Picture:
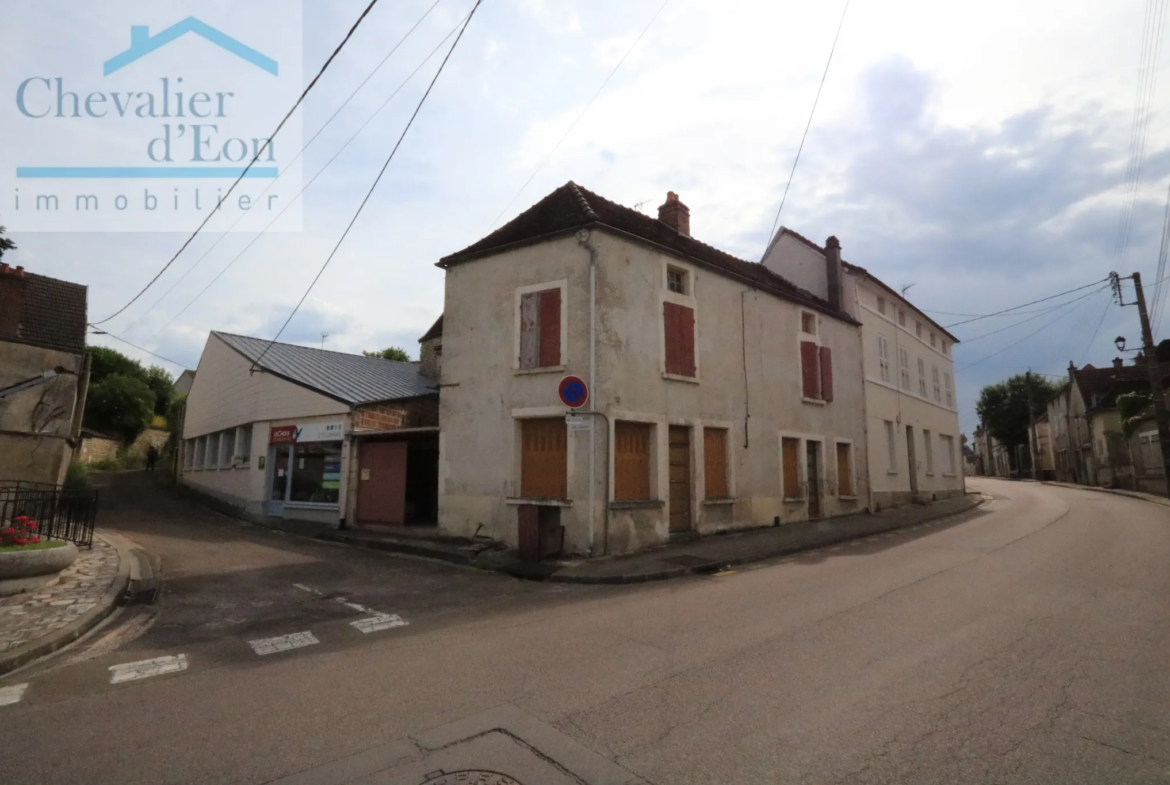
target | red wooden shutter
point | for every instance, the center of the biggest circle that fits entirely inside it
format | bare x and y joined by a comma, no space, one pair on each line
826,373
686,342
550,327
809,371
670,333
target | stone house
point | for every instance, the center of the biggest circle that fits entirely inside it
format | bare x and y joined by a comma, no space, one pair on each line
911,407
721,395
44,374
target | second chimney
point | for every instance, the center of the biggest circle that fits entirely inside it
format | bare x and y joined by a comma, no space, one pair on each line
675,214
1118,363
833,272
12,283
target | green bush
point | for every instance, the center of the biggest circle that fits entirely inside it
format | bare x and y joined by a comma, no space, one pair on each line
123,460
77,476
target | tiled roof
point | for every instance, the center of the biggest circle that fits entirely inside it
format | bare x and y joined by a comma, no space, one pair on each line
351,378
852,268
573,207
52,314
435,331
1105,384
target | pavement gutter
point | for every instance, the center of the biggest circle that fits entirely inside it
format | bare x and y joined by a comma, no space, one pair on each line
48,644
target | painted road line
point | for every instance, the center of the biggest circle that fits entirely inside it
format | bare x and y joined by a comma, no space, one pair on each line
144,669
13,694
295,640
309,589
383,621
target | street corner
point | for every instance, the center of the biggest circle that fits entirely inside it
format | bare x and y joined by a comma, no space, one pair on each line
501,746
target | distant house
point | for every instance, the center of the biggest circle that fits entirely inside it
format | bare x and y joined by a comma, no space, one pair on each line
184,382
43,374
301,433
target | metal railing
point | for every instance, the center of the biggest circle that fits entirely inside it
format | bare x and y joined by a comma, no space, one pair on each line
60,514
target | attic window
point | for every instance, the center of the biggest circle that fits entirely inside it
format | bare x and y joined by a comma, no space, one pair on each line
676,280
808,323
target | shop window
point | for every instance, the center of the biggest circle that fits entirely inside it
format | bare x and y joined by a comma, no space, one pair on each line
631,461
316,473
227,447
790,457
678,324
211,452
200,451
540,329
543,458
845,469
715,463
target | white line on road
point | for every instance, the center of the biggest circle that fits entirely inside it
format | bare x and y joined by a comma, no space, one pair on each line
13,694
281,643
383,621
309,589
131,671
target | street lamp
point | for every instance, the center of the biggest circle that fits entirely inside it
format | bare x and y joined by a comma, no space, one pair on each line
1120,342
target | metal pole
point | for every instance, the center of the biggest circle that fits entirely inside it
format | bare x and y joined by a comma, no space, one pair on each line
1156,395
1032,439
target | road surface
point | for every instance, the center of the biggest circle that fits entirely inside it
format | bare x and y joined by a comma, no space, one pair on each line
1025,642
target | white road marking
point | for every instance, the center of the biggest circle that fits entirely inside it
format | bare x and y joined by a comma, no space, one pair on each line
356,607
281,643
309,589
131,671
383,621
13,694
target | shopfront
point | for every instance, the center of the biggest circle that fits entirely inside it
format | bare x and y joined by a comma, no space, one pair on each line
305,469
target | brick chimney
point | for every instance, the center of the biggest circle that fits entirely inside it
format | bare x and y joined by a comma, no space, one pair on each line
675,214
1118,363
12,283
833,274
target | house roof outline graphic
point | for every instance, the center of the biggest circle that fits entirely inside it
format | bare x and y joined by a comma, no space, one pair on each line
143,43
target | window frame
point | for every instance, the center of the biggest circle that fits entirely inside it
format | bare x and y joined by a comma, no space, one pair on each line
683,280
884,359
620,479
688,300
928,448
937,388
520,422
904,367
800,489
891,446
947,441
520,292
922,377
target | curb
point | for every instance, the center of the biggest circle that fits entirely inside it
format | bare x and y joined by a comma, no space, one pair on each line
533,571
48,644
1114,491
397,546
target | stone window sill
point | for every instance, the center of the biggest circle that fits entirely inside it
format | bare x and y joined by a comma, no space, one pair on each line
729,500
849,497
814,401
637,504
517,500
542,369
674,377
794,500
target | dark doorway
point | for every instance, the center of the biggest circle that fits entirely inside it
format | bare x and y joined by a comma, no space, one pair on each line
813,466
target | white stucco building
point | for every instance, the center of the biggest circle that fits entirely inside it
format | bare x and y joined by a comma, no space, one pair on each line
723,396
912,418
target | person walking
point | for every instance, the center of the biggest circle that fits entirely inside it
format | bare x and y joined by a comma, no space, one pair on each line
151,457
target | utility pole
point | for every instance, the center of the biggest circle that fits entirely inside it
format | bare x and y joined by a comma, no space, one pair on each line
1156,394
1032,439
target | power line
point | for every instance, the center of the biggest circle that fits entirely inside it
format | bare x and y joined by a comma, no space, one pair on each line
306,186
1033,318
295,158
1042,327
370,193
1097,329
1025,305
256,157
573,125
808,125
98,331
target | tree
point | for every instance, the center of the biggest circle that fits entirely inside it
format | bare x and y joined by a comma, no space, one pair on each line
393,353
108,362
1003,407
160,381
5,243
1131,408
121,405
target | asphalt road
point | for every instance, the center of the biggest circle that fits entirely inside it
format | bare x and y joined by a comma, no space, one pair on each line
1026,642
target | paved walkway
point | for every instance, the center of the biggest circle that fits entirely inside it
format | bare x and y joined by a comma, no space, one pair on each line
1149,497
27,618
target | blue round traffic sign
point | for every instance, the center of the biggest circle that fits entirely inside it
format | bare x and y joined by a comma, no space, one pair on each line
573,391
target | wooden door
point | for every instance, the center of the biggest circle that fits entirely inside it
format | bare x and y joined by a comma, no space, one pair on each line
381,494
680,478
813,469
544,458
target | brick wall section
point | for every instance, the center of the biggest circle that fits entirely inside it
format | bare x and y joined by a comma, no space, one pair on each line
12,284
394,415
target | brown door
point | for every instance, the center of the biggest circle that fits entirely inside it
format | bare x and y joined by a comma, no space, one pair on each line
680,478
814,479
381,494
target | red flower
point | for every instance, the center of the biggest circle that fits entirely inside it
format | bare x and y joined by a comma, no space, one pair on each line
20,518
9,532
31,525
34,539
19,541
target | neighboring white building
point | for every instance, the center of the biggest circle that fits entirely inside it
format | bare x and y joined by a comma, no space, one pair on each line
295,432
723,396
911,407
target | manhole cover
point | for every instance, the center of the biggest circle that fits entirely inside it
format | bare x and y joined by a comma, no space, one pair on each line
471,777
687,561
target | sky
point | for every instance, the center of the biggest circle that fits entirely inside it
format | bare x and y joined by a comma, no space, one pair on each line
976,152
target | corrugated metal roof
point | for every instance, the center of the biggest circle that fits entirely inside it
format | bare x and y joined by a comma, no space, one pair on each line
348,377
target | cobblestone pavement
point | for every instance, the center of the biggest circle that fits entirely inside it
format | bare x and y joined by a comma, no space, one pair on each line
29,616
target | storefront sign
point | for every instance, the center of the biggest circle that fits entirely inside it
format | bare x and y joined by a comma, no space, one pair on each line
309,432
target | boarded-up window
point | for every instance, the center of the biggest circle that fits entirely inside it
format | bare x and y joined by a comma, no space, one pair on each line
631,461
844,469
678,322
540,329
543,458
715,463
790,452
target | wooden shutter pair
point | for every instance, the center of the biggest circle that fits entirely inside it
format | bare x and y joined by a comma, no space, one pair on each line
816,369
844,470
631,461
715,463
540,329
679,329
543,458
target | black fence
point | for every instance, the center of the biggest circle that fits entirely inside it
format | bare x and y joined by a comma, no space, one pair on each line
60,514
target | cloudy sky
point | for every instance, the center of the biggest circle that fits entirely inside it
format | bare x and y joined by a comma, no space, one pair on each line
977,151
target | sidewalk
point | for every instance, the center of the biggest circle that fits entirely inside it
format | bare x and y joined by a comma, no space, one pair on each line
1148,497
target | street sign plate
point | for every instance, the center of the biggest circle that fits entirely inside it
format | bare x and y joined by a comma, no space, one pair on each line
573,391
577,422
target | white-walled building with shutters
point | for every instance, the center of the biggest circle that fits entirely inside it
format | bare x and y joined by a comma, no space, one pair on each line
723,396
915,447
